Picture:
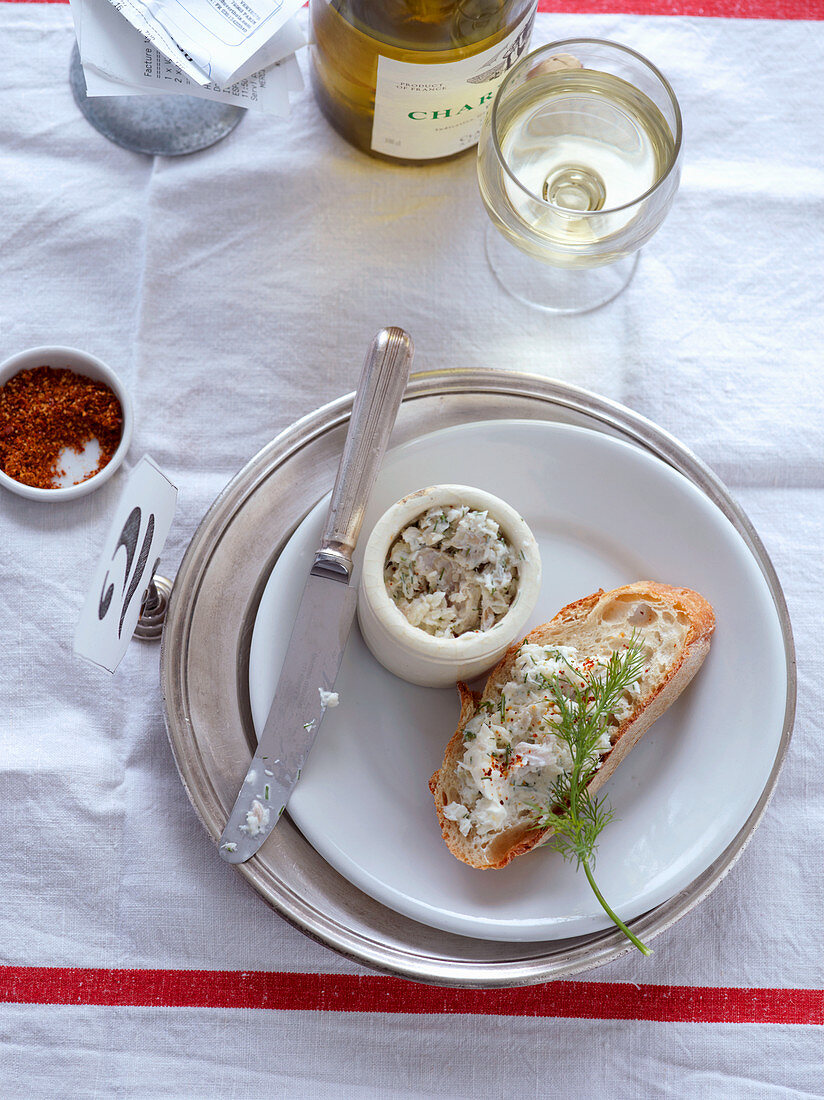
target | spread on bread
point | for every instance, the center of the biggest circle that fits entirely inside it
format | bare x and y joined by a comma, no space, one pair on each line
511,754
452,571
493,792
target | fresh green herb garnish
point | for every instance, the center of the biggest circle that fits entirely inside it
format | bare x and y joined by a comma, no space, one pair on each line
503,707
574,815
541,681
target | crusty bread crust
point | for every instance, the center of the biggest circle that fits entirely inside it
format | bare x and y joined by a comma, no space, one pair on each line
574,622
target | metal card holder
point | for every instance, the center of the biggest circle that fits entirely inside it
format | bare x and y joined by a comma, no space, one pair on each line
153,609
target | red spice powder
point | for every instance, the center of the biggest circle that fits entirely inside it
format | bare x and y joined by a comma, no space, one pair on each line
46,409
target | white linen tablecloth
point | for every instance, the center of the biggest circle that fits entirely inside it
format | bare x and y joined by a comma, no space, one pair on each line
236,290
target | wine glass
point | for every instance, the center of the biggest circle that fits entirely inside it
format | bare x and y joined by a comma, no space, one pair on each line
578,163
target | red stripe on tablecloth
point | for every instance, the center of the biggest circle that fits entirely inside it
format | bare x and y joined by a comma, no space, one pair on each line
349,993
721,9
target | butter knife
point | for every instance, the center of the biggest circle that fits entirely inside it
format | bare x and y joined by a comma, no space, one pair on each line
326,609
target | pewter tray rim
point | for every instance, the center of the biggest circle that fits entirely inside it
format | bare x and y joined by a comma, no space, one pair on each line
205,684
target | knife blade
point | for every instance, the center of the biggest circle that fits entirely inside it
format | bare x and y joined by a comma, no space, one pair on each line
326,609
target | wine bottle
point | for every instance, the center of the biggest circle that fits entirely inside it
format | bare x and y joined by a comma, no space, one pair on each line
411,80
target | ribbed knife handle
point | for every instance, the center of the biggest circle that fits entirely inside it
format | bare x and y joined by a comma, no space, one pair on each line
378,397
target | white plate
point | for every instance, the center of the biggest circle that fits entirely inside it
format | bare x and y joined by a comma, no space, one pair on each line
605,513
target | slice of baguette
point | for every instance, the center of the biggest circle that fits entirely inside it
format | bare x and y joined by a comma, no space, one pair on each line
674,627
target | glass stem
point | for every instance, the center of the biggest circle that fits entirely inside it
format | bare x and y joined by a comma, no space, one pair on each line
613,916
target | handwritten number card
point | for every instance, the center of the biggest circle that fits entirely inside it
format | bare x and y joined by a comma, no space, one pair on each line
130,557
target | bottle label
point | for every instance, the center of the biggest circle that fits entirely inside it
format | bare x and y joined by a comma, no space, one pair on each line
423,112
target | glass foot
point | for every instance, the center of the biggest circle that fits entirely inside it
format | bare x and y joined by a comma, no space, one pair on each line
164,125
555,289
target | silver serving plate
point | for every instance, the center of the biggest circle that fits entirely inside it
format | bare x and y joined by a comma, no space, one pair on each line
204,675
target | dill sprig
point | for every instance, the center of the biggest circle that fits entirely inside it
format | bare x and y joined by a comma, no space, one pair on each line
584,710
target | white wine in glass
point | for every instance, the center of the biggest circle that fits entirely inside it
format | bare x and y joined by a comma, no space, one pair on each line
578,164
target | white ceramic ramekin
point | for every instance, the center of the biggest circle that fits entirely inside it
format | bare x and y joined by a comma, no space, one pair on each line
81,363
410,652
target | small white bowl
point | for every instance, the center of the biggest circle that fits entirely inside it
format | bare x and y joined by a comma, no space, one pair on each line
410,652
81,363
